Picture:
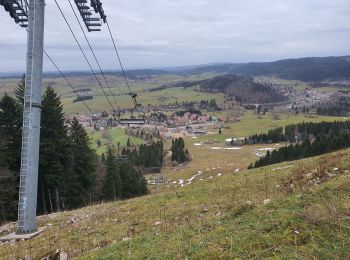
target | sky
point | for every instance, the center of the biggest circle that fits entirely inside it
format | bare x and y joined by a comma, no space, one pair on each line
166,33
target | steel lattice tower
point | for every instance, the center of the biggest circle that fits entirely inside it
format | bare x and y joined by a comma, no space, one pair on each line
31,119
31,16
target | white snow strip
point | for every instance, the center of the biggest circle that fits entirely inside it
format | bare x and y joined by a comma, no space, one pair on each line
281,168
225,148
266,149
259,154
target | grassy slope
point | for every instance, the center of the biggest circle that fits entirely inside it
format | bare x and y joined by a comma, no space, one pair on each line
211,219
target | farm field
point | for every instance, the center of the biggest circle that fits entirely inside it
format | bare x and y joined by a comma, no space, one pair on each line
100,103
119,90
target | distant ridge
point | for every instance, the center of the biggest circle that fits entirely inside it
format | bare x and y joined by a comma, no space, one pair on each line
310,69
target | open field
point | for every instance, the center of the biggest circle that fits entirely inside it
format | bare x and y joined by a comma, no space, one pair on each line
250,124
117,134
100,103
251,214
119,90
223,158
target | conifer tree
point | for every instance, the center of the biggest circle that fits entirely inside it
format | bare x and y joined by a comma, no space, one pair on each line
84,158
55,157
8,195
19,91
113,184
11,132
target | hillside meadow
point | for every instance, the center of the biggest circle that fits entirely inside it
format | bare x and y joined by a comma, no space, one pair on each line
278,211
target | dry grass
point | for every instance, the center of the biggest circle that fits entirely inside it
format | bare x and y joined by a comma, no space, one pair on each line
222,217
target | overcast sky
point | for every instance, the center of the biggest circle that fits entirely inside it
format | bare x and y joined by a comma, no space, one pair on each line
157,33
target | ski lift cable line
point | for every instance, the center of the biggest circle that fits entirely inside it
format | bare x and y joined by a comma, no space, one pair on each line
133,95
82,51
93,52
76,92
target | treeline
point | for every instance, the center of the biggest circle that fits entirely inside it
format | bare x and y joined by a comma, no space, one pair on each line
70,173
67,164
300,132
272,136
306,149
148,155
208,104
122,179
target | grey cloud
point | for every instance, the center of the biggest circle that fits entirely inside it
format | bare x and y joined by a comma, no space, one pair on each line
154,33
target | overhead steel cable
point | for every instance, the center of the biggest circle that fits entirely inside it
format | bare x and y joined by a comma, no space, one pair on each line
76,92
93,53
133,95
82,51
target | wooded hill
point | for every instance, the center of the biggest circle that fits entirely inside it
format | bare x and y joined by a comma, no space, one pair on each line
311,69
243,88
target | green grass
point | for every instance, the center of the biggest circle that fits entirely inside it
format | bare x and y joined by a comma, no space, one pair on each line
100,103
117,84
250,124
211,219
118,134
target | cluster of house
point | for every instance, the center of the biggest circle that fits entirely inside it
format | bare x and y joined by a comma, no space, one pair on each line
189,119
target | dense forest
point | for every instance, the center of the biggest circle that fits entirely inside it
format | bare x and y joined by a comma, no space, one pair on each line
300,132
306,149
312,139
243,88
337,107
70,173
148,155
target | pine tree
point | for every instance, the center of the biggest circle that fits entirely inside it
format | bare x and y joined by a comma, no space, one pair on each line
8,195
55,155
84,158
10,132
19,91
113,184
178,150
10,156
